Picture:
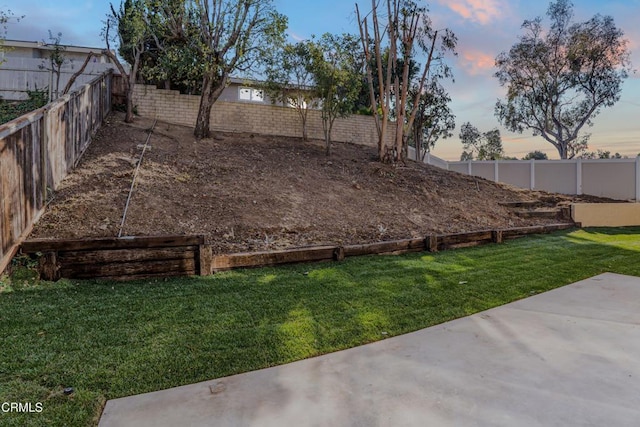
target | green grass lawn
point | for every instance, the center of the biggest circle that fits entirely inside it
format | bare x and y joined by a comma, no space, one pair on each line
109,340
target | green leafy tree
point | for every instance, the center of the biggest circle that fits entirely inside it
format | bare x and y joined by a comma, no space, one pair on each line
536,155
290,79
433,119
480,146
233,35
173,58
337,75
558,79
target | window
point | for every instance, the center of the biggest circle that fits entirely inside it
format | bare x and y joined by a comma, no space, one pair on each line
253,95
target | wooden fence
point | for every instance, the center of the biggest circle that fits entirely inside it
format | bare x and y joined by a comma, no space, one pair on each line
143,257
37,151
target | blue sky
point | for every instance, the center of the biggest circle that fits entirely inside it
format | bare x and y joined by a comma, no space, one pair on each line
484,29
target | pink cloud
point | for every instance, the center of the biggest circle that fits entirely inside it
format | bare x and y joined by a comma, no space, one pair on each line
476,62
481,11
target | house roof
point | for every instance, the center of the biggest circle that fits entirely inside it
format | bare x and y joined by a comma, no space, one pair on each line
47,46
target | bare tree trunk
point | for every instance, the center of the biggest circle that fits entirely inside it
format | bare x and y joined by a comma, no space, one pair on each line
75,75
212,87
204,111
364,36
128,80
303,112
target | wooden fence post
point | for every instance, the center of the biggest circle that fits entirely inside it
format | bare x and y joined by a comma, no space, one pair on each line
206,254
48,266
431,243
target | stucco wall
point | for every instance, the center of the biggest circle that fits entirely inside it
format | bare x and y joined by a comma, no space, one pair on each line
170,106
606,214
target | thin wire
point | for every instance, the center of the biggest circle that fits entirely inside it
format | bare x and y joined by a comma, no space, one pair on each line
133,181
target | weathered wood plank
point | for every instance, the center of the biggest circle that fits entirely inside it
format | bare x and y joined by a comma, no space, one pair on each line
259,259
447,241
127,255
396,246
512,233
177,267
522,204
102,243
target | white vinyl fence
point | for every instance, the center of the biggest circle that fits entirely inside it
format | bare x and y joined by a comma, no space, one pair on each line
613,178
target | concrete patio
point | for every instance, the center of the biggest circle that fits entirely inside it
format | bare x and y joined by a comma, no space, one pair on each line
568,357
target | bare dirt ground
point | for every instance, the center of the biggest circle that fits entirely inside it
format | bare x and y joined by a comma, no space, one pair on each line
252,192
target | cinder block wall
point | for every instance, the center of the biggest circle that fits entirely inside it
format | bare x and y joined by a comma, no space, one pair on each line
172,107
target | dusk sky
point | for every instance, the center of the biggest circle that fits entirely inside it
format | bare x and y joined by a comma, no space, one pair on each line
484,28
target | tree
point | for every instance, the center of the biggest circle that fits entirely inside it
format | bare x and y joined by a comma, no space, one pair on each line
433,119
172,57
78,73
233,36
336,73
482,146
290,79
536,155
409,32
5,17
130,22
559,79
600,154
57,59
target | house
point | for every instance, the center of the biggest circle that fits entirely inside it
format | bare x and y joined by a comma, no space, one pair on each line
25,65
250,91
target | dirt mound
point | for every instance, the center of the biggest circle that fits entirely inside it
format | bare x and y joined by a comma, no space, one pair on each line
253,192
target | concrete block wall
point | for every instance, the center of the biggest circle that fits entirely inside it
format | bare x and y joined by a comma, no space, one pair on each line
172,107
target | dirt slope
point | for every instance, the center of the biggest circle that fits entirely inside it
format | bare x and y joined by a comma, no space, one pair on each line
250,192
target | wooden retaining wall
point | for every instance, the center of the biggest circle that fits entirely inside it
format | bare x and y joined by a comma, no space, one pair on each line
144,257
117,258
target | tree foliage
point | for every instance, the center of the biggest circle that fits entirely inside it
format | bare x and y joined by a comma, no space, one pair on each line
336,73
232,36
5,17
173,57
558,79
433,119
290,79
600,154
536,155
480,146
57,58
132,35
